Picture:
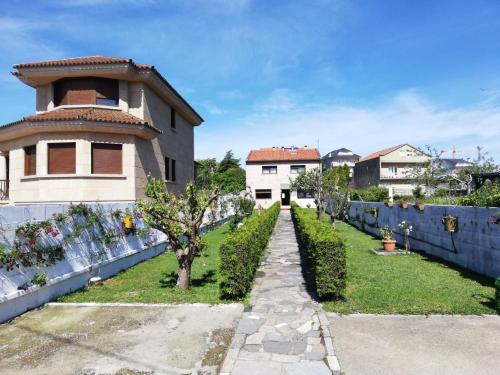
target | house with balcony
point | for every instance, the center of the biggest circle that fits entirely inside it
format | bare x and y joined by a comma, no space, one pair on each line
102,124
391,168
269,171
339,158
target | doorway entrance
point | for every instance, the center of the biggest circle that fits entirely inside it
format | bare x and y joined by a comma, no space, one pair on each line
285,197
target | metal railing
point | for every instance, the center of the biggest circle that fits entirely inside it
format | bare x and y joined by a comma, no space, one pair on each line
4,190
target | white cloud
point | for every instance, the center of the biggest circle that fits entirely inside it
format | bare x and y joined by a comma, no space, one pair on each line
213,109
407,117
22,39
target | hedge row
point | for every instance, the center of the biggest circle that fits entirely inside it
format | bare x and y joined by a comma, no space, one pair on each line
242,252
497,294
325,252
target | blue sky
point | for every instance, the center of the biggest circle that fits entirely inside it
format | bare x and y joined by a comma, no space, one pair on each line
359,74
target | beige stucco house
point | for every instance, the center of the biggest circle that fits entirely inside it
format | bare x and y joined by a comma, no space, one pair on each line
391,167
101,125
269,170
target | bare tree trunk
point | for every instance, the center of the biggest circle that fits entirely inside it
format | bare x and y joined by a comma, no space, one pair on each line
184,275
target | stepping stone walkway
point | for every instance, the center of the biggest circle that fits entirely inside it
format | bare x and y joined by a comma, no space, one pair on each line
286,331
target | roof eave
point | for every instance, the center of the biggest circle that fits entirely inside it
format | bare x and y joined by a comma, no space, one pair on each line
25,128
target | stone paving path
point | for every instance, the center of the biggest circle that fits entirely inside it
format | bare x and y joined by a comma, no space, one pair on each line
286,331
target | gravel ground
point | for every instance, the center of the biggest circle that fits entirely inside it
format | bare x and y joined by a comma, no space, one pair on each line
118,339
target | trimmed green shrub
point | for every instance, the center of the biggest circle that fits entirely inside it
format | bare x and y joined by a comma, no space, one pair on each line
487,195
325,253
243,250
497,294
371,194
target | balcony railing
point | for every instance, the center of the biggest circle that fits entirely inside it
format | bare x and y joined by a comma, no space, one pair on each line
4,190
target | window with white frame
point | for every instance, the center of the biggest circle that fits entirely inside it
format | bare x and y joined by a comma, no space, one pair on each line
301,194
296,169
269,169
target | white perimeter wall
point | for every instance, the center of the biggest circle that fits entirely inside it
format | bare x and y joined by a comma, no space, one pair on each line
475,245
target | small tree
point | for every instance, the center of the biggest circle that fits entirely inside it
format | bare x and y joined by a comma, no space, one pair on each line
481,164
180,218
335,182
324,187
311,181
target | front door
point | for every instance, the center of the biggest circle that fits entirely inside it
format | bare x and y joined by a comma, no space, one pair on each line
285,197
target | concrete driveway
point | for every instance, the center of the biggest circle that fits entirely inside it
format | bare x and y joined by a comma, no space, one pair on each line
396,344
118,339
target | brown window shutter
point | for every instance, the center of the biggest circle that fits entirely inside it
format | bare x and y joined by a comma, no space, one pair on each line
62,158
106,158
30,160
86,90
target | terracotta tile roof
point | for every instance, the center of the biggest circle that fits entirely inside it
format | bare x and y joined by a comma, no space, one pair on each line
383,152
84,60
284,154
85,114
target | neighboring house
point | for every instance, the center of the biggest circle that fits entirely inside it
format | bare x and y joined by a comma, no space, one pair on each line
391,168
101,125
450,167
340,157
269,170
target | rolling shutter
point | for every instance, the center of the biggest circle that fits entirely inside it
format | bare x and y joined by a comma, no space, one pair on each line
106,158
30,160
62,158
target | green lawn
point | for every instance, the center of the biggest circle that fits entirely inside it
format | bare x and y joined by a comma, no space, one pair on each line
153,281
408,284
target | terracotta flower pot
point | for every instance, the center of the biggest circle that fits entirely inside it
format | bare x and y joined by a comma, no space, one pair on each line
389,245
420,206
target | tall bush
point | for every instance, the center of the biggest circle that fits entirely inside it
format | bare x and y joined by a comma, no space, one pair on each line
371,194
242,252
325,252
497,294
486,196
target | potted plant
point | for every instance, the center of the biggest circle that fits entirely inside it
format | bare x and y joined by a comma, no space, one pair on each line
128,222
450,223
403,203
419,205
388,241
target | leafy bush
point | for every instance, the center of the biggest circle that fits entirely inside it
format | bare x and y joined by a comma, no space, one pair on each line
243,207
371,194
418,193
40,279
325,252
242,252
487,195
497,294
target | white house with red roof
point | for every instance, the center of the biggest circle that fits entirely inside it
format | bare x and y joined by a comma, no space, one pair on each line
269,170
391,168
101,125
